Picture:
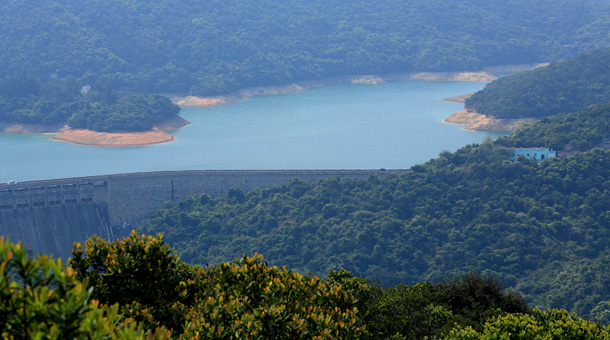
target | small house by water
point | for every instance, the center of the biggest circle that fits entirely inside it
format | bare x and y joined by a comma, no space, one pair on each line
538,154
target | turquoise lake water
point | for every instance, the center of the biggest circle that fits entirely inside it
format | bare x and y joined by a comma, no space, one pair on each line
392,126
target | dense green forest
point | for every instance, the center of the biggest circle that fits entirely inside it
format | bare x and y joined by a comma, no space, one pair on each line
137,288
213,46
426,253
539,227
560,87
579,131
25,99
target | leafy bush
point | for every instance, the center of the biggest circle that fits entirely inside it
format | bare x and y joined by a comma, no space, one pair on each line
40,299
549,324
250,300
242,299
139,273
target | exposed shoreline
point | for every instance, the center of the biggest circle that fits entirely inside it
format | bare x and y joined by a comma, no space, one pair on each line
458,99
241,95
475,121
159,134
486,74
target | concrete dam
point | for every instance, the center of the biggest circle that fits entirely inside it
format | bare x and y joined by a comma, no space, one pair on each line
49,215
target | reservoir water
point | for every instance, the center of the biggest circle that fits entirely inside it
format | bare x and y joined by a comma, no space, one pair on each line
393,126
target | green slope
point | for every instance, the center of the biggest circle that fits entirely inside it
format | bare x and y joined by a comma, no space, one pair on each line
470,210
219,46
570,132
25,99
560,87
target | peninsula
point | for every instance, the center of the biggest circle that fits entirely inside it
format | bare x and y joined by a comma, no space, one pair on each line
157,135
477,121
86,115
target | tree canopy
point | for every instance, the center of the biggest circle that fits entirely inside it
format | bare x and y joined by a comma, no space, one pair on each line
558,88
24,99
141,284
525,222
569,132
208,47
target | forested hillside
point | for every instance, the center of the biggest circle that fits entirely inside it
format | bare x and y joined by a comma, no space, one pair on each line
576,131
25,99
214,46
469,210
558,88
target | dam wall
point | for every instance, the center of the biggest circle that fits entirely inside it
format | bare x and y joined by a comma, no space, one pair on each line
53,229
50,215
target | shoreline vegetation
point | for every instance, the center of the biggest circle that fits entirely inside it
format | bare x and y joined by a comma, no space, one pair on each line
159,134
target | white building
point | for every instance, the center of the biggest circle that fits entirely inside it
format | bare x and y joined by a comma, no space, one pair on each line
538,154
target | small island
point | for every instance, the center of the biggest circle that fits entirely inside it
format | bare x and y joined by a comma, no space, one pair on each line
86,115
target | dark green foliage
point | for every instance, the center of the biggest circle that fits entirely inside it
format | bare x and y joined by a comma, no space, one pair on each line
220,46
578,131
131,112
25,100
425,309
20,87
40,299
141,274
410,312
475,298
469,210
560,87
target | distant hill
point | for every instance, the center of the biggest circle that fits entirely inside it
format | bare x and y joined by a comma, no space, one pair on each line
560,87
208,47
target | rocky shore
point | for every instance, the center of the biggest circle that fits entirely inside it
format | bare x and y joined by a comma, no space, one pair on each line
477,122
194,101
458,99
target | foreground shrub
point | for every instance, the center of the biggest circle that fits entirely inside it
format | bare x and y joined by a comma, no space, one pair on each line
549,324
244,299
40,299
